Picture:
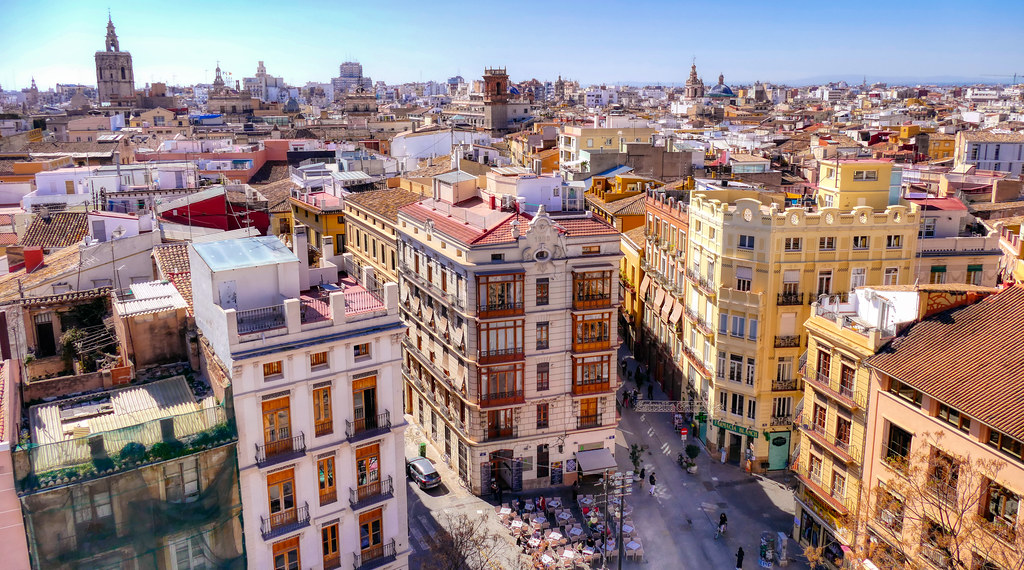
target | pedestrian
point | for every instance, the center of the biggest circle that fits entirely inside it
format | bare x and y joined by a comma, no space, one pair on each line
650,391
651,479
739,559
643,475
723,455
495,491
575,490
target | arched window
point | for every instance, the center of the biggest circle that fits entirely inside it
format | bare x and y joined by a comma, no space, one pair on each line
122,72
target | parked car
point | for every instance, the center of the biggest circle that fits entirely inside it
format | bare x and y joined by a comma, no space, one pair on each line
422,471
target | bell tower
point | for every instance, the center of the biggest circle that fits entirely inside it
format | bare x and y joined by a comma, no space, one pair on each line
495,85
115,77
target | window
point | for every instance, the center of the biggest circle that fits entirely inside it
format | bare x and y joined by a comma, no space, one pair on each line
838,485
591,289
858,277
273,370
723,323
751,409
746,242
286,554
500,292
953,417
1005,443
739,326
542,291
782,407
824,282
927,229
897,447
723,399
792,244
281,497
751,369
591,331
543,376
591,250
744,275
497,257
736,367
937,274
820,417
502,339
591,374
943,476
737,404
1001,507
277,426
189,553
543,460
325,480
827,243
893,241
323,420
501,382
752,330
543,330
371,535
843,427
368,469
181,481
904,392
974,274
318,360
329,542
892,275
861,242
542,416
865,175
721,364
361,350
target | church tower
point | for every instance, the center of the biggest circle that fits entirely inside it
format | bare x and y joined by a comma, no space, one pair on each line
694,84
115,78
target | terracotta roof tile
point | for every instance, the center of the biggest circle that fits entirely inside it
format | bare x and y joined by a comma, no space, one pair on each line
384,202
56,230
277,194
173,265
969,357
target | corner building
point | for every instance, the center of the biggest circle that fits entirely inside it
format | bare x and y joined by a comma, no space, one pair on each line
509,294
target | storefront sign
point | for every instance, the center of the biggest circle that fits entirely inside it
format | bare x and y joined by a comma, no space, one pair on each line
733,427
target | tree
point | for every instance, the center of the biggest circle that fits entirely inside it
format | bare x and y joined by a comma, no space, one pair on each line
933,508
465,542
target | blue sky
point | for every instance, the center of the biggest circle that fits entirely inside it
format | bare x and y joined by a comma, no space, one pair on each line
593,42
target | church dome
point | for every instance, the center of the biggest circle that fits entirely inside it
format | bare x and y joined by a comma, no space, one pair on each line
292,106
721,89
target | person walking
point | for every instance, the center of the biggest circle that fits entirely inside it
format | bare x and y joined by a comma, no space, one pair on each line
739,559
652,481
643,474
722,522
650,391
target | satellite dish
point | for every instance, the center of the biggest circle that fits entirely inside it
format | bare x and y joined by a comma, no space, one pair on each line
118,232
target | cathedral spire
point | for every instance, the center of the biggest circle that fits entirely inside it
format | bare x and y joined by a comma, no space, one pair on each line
112,44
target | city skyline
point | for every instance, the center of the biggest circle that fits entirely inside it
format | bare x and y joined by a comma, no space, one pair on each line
403,47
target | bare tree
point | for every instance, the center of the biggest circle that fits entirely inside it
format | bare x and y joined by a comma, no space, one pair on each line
936,509
464,542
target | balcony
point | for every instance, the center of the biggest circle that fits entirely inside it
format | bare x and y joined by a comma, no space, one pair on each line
787,341
328,496
785,384
591,344
375,556
786,299
501,398
261,319
500,355
776,421
841,448
323,427
366,495
849,396
500,309
275,452
495,433
591,301
284,522
588,421
332,561
368,426
590,386
812,483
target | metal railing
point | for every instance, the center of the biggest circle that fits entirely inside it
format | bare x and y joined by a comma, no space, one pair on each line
261,319
285,521
515,353
324,427
328,496
850,396
370,425
501,398
590,386
375,556
790,299
314,310
842,447
279,450
781,420
787,341
495,307
370,493
784,384
496,433
588,421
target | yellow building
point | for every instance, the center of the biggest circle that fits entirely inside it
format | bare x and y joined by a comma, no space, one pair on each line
631,274
753,268
619,200
575,140
864,182
160,121
324,214
370,218
941,146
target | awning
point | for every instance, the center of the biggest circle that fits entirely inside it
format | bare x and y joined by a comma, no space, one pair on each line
595,461
667,309
677,312
659,298
644,284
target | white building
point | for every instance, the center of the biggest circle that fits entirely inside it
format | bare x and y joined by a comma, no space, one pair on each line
410,147
990,150
510,362
316,386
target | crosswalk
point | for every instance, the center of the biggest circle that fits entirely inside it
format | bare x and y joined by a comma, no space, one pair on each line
421,529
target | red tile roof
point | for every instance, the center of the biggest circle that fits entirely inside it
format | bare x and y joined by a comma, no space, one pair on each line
462,231
969,357
56,230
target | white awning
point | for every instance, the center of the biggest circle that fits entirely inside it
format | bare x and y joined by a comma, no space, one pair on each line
595,461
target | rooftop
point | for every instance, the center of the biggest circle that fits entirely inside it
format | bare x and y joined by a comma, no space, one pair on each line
56,230
245,252
149,297
991,136
945,204
968,357
172,262
384,203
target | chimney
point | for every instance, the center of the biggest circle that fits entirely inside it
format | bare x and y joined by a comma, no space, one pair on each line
33,258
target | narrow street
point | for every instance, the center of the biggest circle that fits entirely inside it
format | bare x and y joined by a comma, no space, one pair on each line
677,524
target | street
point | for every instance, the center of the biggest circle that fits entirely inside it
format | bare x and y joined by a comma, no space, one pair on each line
677,524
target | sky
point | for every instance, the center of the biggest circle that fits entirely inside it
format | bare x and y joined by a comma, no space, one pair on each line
636,41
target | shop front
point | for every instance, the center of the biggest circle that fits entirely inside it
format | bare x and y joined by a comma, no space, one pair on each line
817,524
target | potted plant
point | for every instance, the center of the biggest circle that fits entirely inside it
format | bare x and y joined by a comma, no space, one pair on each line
692,451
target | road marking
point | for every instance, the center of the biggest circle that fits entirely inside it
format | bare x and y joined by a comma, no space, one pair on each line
418,535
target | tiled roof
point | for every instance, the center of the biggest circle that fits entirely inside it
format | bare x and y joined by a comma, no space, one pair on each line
968,357
60,262
502,233
277,194
56,230
988,136
636,236
462,231
384,203
432,167
8,238
271,171
633,206
577,227
172,263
